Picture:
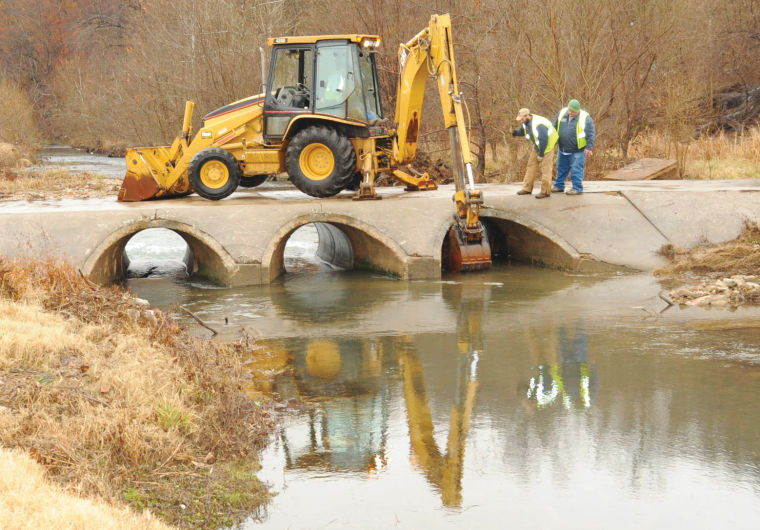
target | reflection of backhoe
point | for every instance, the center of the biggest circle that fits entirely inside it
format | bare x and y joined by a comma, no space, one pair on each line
442,470
321,121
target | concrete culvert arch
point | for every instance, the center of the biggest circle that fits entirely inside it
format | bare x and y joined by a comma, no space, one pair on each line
343,242
513,239
203,256
157,252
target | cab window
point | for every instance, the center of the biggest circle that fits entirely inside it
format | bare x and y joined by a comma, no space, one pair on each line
370,85
291,79
335,80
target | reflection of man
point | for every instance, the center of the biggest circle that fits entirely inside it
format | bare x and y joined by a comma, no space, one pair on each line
564,375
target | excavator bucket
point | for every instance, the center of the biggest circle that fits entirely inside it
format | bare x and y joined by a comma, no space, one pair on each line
146,169
152,171
137,188
467,254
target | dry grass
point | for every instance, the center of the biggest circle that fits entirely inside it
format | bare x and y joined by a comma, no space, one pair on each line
29,500
15,157
739,256
118,401
54,184
18,124
720,156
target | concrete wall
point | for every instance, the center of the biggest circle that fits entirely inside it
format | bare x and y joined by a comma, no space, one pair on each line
241,240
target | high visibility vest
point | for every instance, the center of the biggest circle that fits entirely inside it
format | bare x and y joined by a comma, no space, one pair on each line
580,130
553,134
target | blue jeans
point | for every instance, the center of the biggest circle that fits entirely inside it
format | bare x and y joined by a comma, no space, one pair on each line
575,163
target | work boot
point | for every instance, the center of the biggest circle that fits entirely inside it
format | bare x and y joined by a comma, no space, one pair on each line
542,195
573,192
555,189
523,192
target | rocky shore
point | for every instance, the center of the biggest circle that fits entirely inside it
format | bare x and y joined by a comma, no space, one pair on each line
732,291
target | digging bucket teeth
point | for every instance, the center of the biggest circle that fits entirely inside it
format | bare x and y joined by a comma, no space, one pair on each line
468,254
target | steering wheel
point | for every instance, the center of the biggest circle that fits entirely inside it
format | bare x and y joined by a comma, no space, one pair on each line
302,96
285,96
293,96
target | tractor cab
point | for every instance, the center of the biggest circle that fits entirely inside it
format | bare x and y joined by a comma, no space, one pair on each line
331,76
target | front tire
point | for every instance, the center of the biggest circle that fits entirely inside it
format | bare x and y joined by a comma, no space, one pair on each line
214,173
320,162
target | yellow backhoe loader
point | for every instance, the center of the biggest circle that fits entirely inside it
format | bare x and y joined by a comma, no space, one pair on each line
320,120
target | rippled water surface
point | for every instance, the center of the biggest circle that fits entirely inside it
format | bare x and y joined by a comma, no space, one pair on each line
519,397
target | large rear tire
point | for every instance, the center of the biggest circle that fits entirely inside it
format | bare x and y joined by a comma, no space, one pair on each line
214,173
320,162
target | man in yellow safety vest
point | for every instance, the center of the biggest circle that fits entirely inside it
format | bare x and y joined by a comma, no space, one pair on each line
543,137
576,140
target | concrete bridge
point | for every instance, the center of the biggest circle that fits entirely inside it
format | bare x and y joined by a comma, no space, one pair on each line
240,240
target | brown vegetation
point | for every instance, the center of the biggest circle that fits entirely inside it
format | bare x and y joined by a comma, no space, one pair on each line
117,73
720,274
16,185
738,256
118,401
18,123
29,500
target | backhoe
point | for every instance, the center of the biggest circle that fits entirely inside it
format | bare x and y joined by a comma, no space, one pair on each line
321,121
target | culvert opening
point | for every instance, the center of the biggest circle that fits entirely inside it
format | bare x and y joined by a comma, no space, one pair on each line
511,241
157,252
342,244
318,246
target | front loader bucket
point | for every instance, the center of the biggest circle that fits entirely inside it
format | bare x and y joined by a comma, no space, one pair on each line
467,256
148,172
137,188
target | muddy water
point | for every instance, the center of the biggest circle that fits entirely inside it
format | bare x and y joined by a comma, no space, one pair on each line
516,398
78,161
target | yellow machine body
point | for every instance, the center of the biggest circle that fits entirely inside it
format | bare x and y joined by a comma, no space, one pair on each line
320,120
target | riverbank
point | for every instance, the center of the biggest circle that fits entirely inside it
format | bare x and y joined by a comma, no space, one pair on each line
723,274
119,402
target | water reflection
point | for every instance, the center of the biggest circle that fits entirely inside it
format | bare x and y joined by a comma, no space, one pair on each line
564,373
414,413
469,402
346,425
442,468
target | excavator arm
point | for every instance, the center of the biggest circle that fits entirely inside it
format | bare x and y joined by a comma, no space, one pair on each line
430,53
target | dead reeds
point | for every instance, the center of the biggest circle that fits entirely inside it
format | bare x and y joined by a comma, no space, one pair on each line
716,157
118,401
738,256
20,184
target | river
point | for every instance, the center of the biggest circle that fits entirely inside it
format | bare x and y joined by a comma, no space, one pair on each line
512,398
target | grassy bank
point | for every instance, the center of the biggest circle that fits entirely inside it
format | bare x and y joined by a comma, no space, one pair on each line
718,156
722,274
118,402
16,185
738,256
29,500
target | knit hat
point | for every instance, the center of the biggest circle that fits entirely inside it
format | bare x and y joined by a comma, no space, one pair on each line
574,105
522,113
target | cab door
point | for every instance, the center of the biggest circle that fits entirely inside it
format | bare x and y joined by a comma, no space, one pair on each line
290,91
